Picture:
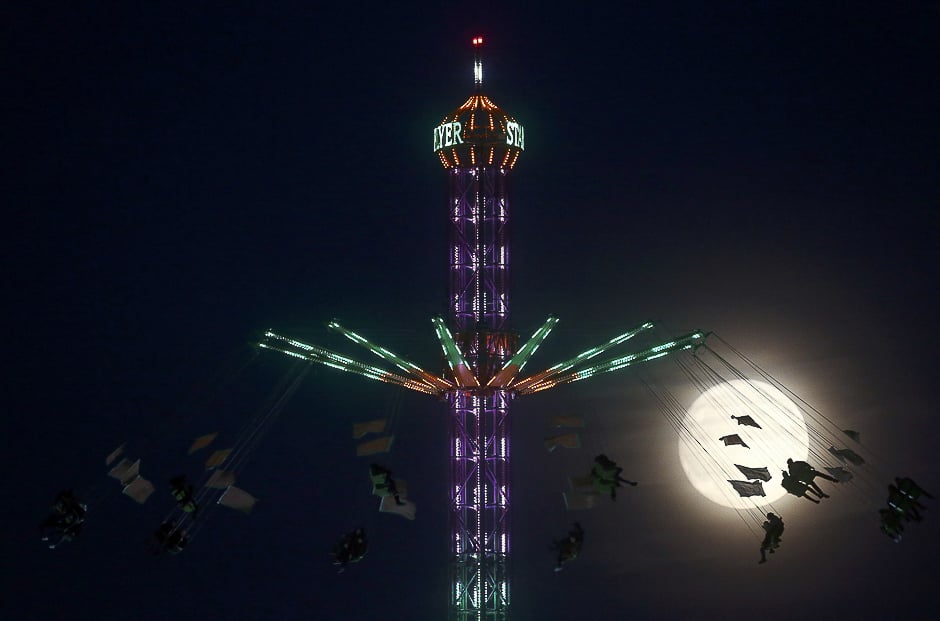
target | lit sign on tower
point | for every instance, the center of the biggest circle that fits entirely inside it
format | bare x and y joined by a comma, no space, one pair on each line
478,133
515,135
447,135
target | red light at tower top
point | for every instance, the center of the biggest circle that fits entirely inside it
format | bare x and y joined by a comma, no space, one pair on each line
477,63
478,133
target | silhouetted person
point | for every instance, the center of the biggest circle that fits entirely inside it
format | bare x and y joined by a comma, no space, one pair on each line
383,483
350,549
805,473
169,538
605,475
909,488
795,487
904,505
569,547
66,520
184,493
891,524
773,527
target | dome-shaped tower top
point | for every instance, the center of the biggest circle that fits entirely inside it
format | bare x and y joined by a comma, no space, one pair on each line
478,133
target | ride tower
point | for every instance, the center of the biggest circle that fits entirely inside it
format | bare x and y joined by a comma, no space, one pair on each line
478,145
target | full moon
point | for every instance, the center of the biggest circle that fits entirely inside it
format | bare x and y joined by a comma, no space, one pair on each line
709,463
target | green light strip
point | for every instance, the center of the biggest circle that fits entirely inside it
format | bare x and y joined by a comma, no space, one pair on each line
325,357
682,343
323,353
517,362
561,367
319,354
455,359
405,365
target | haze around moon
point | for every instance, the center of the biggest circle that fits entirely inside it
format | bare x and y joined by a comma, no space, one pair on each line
709,464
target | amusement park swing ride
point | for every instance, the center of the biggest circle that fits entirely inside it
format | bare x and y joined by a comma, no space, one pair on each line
478,145
743,422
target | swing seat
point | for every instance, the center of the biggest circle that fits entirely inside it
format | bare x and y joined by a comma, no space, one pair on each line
373,447
583,484
372,426
566,421
578,501
389,505
566,440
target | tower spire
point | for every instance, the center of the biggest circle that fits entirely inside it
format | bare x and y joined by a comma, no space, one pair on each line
477,64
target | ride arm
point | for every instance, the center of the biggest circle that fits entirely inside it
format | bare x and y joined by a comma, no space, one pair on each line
455,359
312,353
517,362
438,383
687,341
546,375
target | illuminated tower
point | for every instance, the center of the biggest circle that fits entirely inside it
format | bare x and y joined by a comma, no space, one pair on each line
478,144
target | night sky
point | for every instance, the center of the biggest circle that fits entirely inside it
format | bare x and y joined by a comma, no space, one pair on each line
179,177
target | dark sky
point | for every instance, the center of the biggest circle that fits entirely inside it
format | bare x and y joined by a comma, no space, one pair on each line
179,177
